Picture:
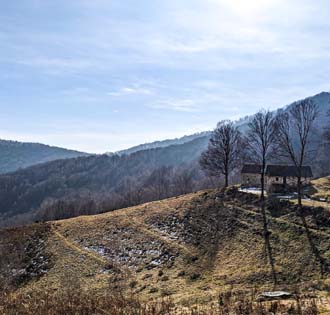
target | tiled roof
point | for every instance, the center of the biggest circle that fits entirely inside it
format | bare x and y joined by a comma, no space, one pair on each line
288,171
251,169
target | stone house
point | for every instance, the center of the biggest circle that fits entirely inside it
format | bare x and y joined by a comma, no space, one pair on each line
250,175
278,178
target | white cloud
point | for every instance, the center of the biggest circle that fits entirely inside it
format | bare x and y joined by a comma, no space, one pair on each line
131,90
180,105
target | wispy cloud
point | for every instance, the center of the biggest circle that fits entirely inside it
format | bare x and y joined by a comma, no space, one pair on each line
115,62
130,91
180,105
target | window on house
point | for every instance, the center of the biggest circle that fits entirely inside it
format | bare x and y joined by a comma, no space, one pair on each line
277,179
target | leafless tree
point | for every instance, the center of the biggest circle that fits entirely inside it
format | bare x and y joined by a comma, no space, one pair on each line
260,141
183,182
160,182
222,154
293,131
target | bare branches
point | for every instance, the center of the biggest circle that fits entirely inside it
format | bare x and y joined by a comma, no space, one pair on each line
293,130
261,134
223,151
260,140
284,139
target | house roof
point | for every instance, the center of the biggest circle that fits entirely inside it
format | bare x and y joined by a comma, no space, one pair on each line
277,170
251,169
288,171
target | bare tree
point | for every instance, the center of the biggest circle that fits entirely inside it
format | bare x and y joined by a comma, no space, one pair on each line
222,154
183,182
260,141
293,131
160,182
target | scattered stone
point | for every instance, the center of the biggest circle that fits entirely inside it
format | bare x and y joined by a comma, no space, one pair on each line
165,278
182,273
195,276
147,276
153,290
275,295
133,284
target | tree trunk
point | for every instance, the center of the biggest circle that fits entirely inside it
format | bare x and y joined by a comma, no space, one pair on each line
263,182
299,194
226,167
226,180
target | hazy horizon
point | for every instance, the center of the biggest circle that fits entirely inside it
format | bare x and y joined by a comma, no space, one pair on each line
100,76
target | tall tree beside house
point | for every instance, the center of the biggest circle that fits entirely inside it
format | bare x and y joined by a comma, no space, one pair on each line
222,155
260,141
298,125
293,131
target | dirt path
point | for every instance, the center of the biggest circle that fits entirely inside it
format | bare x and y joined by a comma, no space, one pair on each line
98,258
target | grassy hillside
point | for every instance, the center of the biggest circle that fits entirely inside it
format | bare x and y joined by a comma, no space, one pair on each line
190,248
322,188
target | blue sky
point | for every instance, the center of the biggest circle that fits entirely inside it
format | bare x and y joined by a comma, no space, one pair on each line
103,75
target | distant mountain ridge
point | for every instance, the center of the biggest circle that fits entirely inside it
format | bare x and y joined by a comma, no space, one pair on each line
15,155
163,143
322,100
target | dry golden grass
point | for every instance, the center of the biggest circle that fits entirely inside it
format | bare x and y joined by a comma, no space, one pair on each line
322,187
73,300
189,248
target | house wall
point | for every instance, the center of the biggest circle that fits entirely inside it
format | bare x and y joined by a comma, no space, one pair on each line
251,180
290,181
274,180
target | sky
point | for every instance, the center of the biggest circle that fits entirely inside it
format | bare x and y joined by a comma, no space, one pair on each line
104,75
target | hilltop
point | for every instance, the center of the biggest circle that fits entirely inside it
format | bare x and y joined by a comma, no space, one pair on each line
15,155
189,247
164,143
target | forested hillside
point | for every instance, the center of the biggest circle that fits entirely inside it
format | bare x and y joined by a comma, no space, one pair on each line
15,155
165,143
85,185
